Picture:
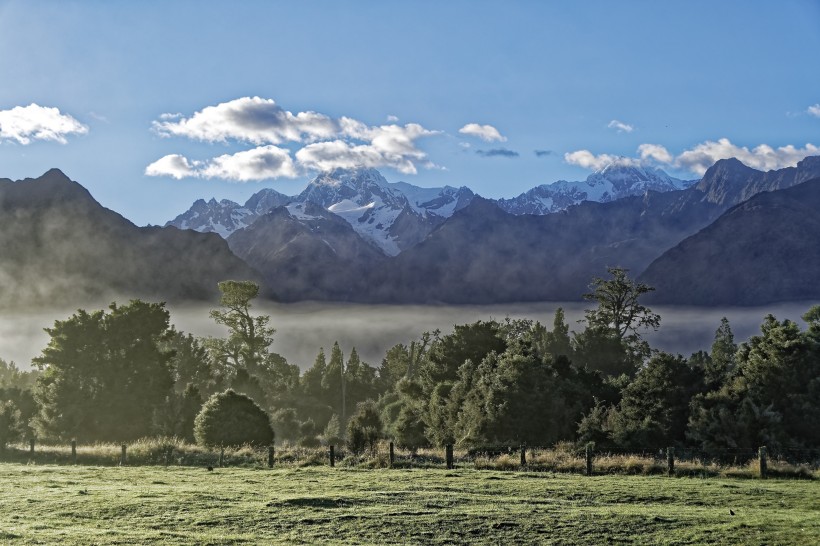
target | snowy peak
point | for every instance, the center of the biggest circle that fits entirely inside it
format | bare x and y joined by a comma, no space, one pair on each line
225,216
608,184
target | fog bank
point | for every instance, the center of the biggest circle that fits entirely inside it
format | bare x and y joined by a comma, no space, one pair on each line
301,328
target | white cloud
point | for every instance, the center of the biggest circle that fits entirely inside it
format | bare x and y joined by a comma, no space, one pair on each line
487,133
249,119
330,143
762,157
655,152
35,122
392,119
262,163
588,160
700,157
814,110
173,165
620,126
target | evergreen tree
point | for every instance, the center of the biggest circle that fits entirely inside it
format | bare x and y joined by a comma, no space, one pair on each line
104,374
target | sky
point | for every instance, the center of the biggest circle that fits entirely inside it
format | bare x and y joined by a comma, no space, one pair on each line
152,105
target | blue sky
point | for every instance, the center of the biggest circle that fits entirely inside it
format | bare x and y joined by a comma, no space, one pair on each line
138,88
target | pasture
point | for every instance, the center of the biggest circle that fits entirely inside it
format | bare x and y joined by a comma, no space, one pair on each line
48,504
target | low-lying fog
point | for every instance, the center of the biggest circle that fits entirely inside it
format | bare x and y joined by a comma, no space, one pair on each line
304,327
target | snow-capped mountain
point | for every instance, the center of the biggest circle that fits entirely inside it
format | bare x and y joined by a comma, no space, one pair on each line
390,216
610,183
225,216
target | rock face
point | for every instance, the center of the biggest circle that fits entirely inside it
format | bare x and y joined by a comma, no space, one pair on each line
59,246
225,216
764,250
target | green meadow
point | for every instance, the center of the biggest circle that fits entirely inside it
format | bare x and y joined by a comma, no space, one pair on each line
45,504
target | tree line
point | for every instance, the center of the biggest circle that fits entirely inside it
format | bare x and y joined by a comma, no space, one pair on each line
125,373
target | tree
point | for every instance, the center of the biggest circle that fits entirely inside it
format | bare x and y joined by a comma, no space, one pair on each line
365,428
191,364
10,425
721,360
332,434
13,377
249,336
286,425
618,307
232,419
612,341
105,374
333,383
654,408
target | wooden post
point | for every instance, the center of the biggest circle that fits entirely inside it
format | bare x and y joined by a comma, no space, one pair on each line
589,460
122,455
392,455
524,455
764,467
73,451
448,453
332,456
270,456
31,447
221,456
670,461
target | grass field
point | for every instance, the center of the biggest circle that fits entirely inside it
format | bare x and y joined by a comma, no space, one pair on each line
43,504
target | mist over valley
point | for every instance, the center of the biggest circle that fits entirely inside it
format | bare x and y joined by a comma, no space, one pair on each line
302,328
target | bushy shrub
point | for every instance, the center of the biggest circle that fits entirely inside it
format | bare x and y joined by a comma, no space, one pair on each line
232,419
364,428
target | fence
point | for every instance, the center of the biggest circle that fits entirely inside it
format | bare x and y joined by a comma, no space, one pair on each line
762,462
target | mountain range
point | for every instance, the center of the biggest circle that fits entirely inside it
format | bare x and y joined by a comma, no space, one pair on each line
60,246
353,236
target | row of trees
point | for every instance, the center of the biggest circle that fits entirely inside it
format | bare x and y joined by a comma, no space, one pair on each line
126,373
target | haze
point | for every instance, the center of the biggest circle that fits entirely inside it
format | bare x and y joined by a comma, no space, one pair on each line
304,327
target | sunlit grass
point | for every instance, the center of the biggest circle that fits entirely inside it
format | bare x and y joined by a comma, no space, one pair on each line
50,504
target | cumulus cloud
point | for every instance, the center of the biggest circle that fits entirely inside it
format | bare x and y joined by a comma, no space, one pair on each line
392,119
588,160
173,165
262,163
249,119
259,163
497,152
34,122
620,126
487,133
762,157
655,152
325,143
542,153
814,110
700,157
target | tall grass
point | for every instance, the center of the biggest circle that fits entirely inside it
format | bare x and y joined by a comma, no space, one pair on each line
563,458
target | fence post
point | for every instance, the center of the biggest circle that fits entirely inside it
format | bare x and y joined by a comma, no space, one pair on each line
763,463
31,446
270,456
448,454
122,456
221,456
392,455
332,456
73,451
524,455
589,460
670,460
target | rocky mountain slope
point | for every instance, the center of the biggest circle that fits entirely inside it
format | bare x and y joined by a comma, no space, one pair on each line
761,251
59,246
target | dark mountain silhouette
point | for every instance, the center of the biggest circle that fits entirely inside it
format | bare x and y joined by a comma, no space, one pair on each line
761,251
59,246
314,254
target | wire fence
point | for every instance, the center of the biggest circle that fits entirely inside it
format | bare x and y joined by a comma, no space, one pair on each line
762,461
